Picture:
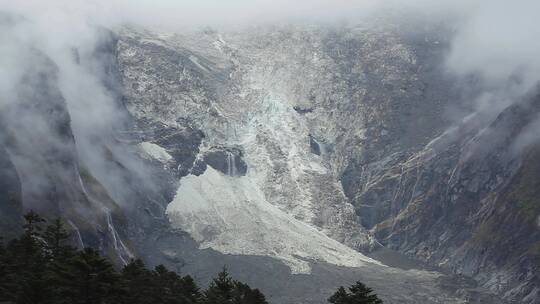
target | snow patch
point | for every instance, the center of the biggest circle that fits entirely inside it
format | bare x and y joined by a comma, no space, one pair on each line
232,216
156,152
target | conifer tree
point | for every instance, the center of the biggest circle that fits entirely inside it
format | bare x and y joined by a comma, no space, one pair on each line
243,294
56,241
41,267
3,269
340,297
190,290
27,264
358,294
173,289
33,222
220,290
223,289
139,284
87,278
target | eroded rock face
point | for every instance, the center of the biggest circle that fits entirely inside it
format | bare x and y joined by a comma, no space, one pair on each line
465,203
289,154
228,162
237,102
40,166
283,157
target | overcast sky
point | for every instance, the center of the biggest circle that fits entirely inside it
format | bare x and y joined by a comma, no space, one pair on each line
497,39
182,13
494,39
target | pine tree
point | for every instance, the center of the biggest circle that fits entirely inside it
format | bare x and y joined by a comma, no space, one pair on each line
26,264
33,222
358,294
174,289
4,284
223,289
139,284
59,256
190,289
56,241
340,297
220,290
87,278
243,294
41,267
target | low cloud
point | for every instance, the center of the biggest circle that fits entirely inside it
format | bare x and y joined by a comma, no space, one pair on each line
182,14
496,41
499,43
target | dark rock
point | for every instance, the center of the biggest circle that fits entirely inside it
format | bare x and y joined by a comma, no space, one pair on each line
198,168
314,145
181,142
301,110
229,162
461,200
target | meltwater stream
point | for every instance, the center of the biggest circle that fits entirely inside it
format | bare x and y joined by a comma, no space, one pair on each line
121,249
79,237
231,164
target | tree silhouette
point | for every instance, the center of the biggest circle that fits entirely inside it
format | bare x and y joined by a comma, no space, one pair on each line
40,267
56,241
358,294
86,278
223,289
26,264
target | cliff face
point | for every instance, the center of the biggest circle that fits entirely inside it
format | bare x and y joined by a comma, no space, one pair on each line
291,109
41,168
290,154
343,130
269,131
466,203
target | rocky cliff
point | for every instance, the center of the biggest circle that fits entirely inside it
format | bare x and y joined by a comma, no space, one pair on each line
303,157
313,121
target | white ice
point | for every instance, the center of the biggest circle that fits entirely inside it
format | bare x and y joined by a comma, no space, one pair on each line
231,215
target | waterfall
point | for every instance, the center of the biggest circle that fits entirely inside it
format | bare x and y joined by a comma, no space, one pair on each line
79,237
231,164
81,183
83,187
124,254
119,246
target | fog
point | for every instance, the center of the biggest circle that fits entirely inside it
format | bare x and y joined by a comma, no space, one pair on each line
496,41
179,14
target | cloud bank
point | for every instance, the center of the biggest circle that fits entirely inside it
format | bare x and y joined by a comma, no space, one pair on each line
495,41
179,14
499,42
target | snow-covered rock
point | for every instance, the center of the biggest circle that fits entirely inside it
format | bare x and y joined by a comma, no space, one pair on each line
231,214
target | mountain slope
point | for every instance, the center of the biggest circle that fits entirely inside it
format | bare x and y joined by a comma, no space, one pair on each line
275,145
291,154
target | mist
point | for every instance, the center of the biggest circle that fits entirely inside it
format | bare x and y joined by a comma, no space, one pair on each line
179,15
497,42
